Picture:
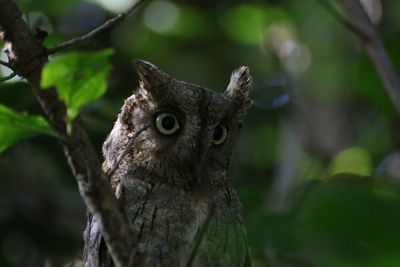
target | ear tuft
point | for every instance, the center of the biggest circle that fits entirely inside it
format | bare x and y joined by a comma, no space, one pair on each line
239,87
149,75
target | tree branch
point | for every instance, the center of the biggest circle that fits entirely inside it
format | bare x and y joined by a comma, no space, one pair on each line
327,4
27,57
89,36
360,24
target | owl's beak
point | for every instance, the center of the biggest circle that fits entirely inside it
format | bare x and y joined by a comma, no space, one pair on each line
199,156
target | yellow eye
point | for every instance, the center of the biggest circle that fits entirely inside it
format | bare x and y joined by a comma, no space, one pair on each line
220,134
167,123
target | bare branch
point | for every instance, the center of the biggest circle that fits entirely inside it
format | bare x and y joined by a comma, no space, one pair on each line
360,19
360,24
8,77
89,36
27,56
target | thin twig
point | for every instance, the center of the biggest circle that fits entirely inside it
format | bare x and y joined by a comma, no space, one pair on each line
201,235
126,150
327,4
8,77
359,23
87,37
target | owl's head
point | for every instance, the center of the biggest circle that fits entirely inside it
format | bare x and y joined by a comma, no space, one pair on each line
189,130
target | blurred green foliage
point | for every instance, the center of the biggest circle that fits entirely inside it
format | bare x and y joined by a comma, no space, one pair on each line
316,165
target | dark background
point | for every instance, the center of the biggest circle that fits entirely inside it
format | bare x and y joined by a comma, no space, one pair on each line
316,165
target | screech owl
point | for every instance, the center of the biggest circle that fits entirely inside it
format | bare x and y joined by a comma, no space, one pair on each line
173,182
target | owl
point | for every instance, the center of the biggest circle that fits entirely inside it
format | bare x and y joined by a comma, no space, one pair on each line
169,153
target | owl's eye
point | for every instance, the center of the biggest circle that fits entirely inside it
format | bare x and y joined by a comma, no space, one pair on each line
220,134
167,123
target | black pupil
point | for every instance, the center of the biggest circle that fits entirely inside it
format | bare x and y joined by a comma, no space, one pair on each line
218,132
168,122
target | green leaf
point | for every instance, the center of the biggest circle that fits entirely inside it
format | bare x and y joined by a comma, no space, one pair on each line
15,126
79,77
354,160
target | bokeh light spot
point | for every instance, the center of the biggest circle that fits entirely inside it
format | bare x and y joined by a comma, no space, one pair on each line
116,6
161,16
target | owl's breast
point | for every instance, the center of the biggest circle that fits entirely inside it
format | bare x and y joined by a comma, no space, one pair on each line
161,218
168,220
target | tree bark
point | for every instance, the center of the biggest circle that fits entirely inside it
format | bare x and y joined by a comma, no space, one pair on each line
27,57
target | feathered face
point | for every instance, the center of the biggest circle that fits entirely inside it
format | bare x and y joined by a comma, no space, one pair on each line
189,130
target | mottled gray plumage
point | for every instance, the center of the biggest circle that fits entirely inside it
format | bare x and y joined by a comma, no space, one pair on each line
176,171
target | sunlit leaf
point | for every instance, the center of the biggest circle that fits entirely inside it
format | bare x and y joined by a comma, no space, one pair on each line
15,126
79,77
354,160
